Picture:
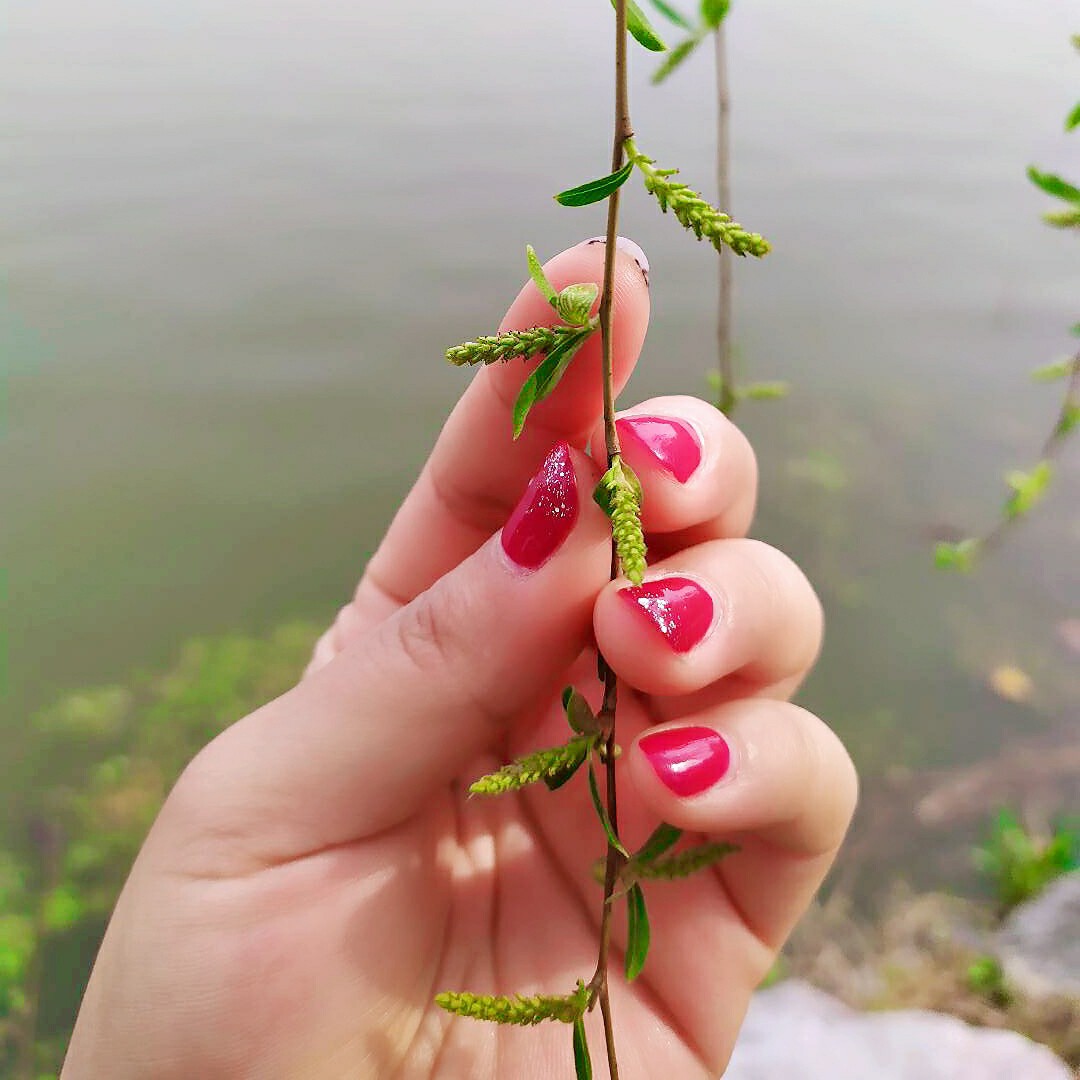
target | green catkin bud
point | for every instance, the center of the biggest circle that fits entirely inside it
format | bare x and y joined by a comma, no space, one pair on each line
540,765
683,863
619,495
628,534
496,347
705,221
575,302
517,1009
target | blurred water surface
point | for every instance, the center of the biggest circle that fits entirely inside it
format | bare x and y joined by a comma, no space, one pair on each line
238,236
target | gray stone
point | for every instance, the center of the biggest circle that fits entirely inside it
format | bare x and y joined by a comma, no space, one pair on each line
796,1032
1039,943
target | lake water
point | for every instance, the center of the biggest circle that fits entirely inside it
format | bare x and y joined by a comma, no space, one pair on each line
238,236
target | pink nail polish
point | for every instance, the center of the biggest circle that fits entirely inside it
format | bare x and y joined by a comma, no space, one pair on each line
677,607
687,760
670,442
544,517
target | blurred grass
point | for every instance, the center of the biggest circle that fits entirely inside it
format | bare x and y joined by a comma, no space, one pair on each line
76,806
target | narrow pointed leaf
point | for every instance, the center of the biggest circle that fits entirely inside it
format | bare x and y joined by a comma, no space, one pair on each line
595,190
555,780
525,400
672,14
536,272
637,932
958,556
1059,369
545,378
640,29
764,391
1053,185
579,714
555,364
602,814
714,12
663,837
1064,219
675,58
1073,119
582,1061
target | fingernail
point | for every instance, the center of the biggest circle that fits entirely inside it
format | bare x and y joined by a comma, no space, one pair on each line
680,609
544,517
633,250
673,444
688,760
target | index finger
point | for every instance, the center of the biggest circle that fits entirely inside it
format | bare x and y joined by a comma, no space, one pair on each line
477,471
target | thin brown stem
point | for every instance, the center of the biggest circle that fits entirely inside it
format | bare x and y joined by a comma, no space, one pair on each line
1051,448
623,131
725,366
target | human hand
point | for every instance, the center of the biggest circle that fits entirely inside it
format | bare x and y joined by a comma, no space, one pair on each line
317,874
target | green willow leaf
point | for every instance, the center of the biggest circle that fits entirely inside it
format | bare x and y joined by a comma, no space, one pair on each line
551,369
1027,488
764,391
1073,119
640,29
1059,369
1069,420
555,779
579,714
1064,219
714,12
582,1061
523,403
602,814
672,14
595,190
1053,185
536,272
675,58
663,837
637,932
960,556
546,377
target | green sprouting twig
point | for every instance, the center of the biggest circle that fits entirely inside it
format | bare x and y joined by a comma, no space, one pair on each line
1027,488
619,493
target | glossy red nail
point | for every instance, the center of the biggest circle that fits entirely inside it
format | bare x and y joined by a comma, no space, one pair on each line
673,444
677,607
688,760
543,518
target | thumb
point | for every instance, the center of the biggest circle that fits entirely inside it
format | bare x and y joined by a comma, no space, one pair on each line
363,743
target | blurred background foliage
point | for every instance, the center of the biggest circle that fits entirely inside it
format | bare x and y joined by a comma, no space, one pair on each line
100,764
239,238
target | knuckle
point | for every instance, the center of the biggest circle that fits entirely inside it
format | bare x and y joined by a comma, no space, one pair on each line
424,637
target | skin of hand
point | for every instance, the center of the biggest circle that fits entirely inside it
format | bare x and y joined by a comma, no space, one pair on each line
318,874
